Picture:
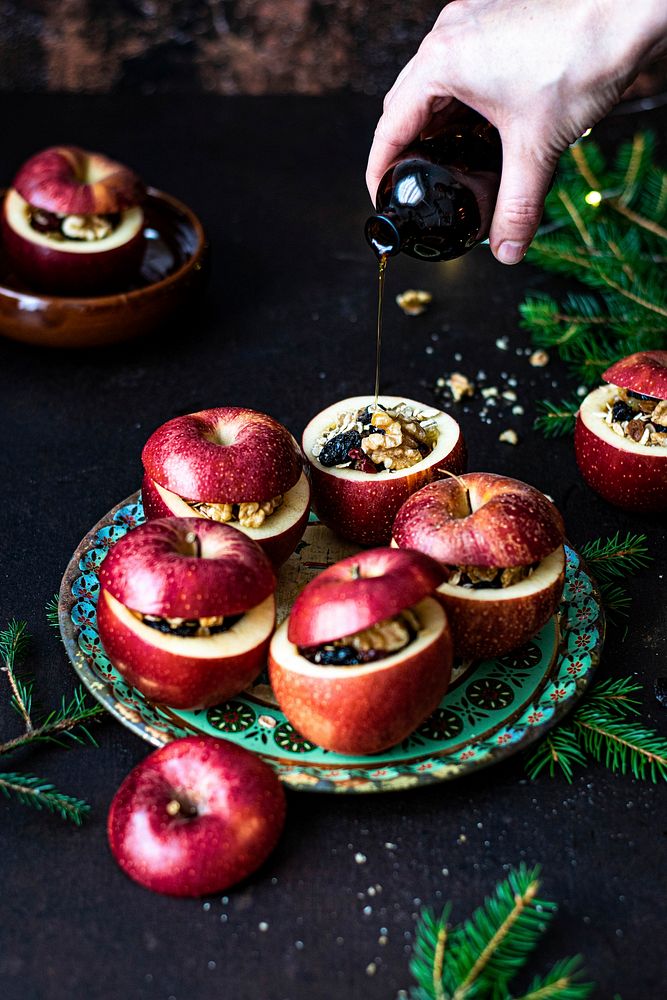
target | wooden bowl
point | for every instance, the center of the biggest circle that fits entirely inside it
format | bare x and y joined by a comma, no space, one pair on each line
171,271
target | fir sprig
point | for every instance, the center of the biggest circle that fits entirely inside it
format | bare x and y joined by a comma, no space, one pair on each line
617,557
67,723
556,419
606,226
480,957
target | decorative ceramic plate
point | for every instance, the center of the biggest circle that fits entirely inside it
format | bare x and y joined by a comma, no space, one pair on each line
492,709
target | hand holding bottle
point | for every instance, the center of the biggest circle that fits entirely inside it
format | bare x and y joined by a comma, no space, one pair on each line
542,73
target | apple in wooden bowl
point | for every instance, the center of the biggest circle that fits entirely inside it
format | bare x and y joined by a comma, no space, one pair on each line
365,655
500,542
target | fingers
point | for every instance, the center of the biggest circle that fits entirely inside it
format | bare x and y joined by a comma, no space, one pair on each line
523,188
405,115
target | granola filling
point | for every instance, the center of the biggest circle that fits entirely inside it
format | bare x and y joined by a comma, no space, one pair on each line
489,577
189,628
248,515
368,646
378,439
641,418
80,228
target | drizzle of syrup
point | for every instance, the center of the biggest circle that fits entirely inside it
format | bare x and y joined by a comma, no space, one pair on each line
382,267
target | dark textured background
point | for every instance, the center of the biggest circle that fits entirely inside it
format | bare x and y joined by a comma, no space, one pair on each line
287,326
220,46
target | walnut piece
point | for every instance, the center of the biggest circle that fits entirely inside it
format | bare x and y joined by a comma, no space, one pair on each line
659,413
249,515
86,227
388,635
460,386
414,301
539,359
509,436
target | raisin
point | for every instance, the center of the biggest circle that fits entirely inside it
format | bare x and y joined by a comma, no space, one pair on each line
331,656
189,628
640,395
620,411
45,222
337,450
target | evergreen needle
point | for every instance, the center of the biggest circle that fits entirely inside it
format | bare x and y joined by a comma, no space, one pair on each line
617,557
30,790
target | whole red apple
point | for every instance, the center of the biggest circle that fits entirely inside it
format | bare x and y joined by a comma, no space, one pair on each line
368,707
225,463
59,195
195,817
627,473
359,505
479,522
186,610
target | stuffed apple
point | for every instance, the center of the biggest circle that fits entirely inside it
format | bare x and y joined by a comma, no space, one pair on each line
365,655
500,542
234,466
186,610
72,222
620,435
367,459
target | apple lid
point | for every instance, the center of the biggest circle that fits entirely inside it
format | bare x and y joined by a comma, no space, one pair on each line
72,181
644,372
186,567
227,454
480,519
359,591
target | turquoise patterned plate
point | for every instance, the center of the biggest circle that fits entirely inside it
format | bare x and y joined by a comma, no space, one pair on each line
492,709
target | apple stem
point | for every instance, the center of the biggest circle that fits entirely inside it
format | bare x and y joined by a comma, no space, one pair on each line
192,538
452,475
175,807
355,571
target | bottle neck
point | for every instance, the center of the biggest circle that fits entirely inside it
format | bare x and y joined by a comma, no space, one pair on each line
383,235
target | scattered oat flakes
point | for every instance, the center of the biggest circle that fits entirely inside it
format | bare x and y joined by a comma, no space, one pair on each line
510,395
360,858
517,410
371,969
414,301
539,359
502,343
460,386
509,436
490,391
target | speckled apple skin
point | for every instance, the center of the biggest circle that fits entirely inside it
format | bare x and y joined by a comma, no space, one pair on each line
277,547
240,816
367,713
170,679
72,181
75,274
261,461
633,482
364,511
359,591
511,524
644,372
482,629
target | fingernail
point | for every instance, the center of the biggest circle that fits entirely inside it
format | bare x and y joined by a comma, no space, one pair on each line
510,252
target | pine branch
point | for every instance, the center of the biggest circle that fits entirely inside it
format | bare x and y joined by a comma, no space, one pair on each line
561,983
30,790
52,612
616,557
427,961
560,750
68,721
615,695
556,420
13,643
616,600
623,747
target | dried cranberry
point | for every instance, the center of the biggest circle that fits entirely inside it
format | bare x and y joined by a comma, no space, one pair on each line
362,463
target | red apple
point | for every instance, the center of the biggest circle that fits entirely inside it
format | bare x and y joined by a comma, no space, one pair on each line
361,506
186,569
66,181
229,455
485,521
366,708
195,817
624,472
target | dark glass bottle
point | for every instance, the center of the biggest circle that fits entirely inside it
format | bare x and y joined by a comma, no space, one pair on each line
436,202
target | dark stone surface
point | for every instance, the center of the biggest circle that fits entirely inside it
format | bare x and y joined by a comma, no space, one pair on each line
224,46
287,325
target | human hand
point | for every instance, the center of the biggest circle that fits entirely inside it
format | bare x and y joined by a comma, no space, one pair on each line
542,73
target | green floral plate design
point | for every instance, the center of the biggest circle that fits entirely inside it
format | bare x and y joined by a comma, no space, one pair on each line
493,708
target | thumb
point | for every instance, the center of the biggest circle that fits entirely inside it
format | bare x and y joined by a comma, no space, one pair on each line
524,184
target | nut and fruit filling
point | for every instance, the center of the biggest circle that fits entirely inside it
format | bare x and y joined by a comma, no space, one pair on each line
378,439
248,515
80,228
641,418
190,628
375,643
489,577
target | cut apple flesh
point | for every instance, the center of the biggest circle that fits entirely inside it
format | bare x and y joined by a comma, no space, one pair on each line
17,214
367,708
489,622
593,412
288,520
185,672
